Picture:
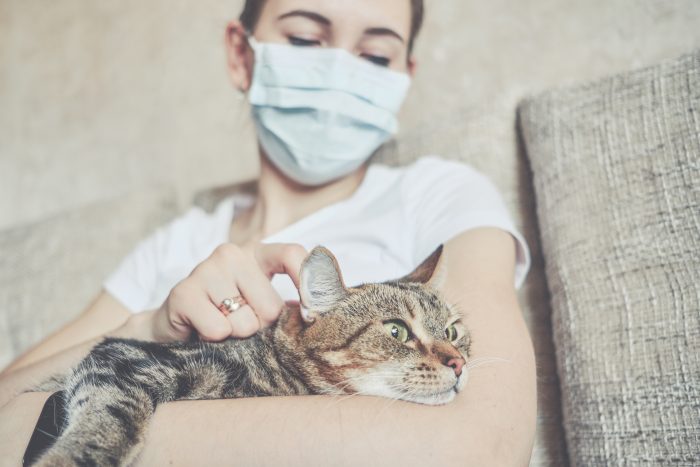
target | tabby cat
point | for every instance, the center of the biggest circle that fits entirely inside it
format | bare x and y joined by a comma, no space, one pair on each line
398,339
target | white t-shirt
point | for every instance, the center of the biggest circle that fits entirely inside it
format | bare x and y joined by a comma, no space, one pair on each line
394,220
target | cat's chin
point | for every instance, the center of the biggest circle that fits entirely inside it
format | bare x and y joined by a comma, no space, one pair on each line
444,397
440,398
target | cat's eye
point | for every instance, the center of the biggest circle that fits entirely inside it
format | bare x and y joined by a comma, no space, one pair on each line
398,330
451,333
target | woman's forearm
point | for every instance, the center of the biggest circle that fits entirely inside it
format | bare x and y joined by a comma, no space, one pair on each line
26,377
104,314
17,420
490,423
30,376
487,424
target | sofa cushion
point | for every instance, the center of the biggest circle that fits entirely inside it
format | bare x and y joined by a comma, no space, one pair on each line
616,168
52,269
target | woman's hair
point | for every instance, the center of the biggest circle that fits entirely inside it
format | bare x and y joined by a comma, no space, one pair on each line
251,13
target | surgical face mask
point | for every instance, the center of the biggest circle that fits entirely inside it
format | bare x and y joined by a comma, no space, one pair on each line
321,113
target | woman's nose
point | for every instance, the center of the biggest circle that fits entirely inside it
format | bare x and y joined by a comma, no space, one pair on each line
456,364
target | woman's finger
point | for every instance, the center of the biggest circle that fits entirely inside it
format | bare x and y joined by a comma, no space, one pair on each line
218,282
244,322
239,268
257,290
231,272
281,258
189,304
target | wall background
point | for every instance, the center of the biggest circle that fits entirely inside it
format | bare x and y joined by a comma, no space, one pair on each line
100,99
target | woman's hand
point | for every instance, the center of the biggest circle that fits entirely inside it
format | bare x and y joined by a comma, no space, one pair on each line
231,271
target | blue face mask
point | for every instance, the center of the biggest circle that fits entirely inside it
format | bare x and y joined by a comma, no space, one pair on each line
321,113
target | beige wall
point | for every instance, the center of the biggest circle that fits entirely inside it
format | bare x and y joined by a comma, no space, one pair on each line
99,99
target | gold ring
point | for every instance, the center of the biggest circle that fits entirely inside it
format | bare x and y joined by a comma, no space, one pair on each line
229,305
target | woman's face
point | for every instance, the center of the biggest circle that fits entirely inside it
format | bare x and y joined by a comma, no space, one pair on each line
375,30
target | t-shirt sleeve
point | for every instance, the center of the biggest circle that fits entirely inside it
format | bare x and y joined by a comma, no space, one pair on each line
154,265
446,198
133,281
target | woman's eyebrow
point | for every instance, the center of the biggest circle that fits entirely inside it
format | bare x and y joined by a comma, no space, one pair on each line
384,32
322,20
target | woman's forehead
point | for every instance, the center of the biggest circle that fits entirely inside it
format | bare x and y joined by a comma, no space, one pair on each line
393,14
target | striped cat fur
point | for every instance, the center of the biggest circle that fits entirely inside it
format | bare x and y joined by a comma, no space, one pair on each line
397,339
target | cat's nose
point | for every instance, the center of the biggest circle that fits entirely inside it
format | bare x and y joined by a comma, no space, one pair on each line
456,364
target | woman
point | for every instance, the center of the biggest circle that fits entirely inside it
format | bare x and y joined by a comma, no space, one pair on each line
325,79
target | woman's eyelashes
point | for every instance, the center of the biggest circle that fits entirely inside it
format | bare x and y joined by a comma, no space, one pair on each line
304,42
377,60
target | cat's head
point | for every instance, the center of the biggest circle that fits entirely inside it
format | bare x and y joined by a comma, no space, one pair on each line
397,339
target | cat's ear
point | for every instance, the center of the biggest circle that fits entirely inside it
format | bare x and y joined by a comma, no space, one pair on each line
431,271
321,283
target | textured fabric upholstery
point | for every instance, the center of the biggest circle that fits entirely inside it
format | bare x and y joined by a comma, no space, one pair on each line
616,168
51,269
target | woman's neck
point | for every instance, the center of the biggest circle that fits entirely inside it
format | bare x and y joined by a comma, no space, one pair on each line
280,202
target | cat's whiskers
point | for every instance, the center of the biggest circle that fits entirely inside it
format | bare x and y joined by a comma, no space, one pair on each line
481,361
399,390
386,374
361,378
353,380
336,399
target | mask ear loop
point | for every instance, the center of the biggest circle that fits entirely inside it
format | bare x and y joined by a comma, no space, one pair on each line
251,41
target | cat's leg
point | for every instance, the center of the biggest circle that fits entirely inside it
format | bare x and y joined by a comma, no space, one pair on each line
105,426
110,397
115,390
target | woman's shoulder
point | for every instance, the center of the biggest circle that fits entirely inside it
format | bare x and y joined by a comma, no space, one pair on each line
429,169
440,166
436,175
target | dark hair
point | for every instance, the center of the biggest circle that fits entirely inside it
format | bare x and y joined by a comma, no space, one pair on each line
252,9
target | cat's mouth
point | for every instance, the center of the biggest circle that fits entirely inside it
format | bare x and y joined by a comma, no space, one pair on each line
449,394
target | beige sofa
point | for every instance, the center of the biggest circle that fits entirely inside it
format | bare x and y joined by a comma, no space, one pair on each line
113,117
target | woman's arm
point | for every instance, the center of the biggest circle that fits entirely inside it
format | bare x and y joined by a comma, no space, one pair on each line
30,375
103,315
64,348
17,421
492,422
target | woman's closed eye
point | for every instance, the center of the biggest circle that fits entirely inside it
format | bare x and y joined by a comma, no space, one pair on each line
303,42
307,42
377,60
